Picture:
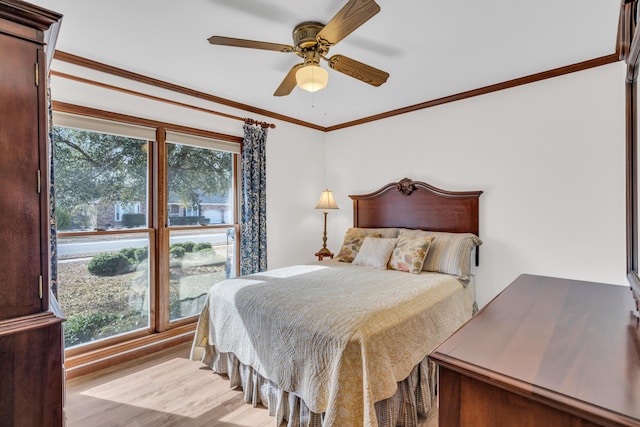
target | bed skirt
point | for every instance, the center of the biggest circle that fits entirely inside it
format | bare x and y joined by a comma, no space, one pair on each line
414,397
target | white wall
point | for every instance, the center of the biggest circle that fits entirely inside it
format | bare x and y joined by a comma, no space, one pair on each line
549,157
295,179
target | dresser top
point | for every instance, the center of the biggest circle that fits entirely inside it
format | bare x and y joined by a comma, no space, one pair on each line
559,341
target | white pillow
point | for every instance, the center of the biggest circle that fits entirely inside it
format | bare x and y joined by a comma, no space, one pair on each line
375,252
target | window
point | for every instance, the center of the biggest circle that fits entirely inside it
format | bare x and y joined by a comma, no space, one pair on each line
126,209
134,257
200,181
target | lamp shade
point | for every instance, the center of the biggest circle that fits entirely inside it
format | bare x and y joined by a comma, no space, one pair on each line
326,201
312,78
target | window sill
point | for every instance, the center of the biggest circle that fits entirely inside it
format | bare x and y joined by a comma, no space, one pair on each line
83,363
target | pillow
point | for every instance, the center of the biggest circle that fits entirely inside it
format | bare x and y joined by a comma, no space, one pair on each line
410,253
450,253
375,252
353,239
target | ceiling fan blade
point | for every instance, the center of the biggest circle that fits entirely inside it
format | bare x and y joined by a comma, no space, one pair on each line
358,70
289,82
252,44
351,16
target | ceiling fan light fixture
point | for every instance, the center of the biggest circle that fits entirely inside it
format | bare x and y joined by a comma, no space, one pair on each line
312,78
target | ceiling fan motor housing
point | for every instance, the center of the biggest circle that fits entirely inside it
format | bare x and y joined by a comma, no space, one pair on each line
304,34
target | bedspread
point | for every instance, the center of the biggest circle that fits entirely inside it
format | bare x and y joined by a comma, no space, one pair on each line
337,335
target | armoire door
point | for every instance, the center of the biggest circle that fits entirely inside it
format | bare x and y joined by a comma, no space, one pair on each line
20,263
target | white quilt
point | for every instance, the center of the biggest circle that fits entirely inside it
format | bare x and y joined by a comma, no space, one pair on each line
337,335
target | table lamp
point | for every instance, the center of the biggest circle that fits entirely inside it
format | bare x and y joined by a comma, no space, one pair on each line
326,202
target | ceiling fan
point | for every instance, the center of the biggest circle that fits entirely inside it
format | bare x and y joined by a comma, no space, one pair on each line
312,41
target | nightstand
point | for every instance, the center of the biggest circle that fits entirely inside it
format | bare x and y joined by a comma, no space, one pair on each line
321,255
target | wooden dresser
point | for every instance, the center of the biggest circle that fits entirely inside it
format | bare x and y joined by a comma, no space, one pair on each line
545,352
31,347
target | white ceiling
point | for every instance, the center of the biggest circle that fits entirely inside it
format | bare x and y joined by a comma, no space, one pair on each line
430,48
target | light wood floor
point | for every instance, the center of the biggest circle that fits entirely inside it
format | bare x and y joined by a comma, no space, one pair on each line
165,389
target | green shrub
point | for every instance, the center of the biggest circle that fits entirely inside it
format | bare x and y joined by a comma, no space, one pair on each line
129,253
108,264
188,246
81,328
141,254
63,219
188,220
177,251
134,220
202,245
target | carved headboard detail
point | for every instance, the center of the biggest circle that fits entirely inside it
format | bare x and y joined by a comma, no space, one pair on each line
406,186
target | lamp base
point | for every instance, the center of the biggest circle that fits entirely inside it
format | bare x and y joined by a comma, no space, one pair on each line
324,253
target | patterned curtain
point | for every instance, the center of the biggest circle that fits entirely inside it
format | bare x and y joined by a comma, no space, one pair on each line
253,204
53,242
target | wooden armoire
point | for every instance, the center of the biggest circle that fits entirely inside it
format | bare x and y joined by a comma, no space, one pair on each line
31,344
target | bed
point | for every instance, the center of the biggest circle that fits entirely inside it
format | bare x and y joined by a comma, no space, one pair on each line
344,342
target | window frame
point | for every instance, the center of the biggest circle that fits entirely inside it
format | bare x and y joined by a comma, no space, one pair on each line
161,330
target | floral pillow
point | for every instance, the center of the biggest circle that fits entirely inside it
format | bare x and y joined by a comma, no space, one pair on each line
353,239
410,253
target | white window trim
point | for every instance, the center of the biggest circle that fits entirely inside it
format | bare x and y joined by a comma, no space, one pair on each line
202,142
93,124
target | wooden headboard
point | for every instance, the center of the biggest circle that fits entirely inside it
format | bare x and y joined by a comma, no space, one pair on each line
415,204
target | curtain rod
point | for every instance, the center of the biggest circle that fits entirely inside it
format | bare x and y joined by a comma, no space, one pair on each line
261,124
156,98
